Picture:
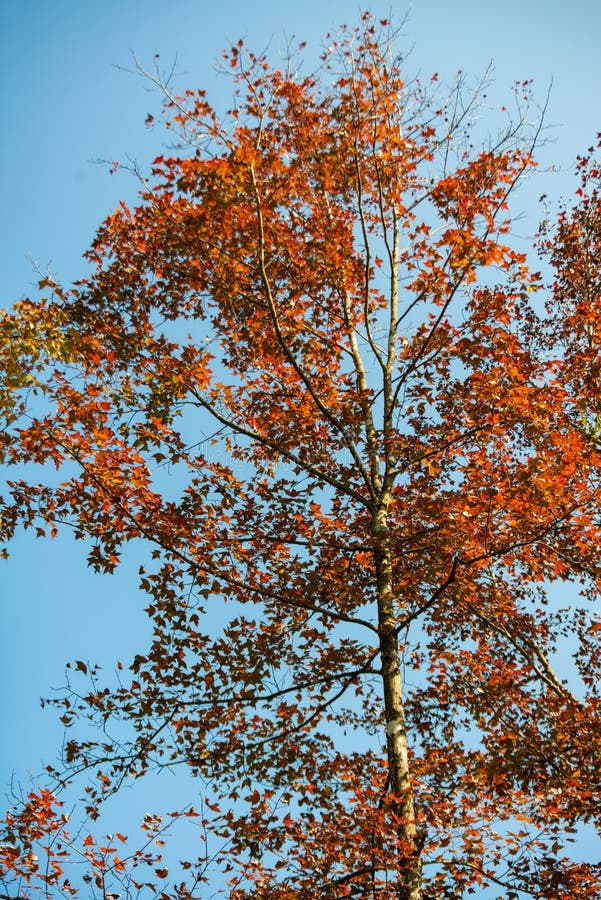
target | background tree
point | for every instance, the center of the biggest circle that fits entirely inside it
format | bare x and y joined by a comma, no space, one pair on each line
379,454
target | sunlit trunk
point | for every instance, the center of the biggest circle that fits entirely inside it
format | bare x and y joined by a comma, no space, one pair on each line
401,807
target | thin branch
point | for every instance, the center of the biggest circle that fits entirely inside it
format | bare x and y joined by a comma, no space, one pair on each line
322,706
205,566
278,448
429,603
543,669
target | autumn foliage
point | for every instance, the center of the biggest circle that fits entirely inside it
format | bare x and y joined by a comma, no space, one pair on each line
313,374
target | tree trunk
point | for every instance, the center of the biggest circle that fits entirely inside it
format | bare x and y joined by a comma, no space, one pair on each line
409,863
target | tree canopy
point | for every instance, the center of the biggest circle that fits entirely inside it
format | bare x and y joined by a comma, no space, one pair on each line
313,372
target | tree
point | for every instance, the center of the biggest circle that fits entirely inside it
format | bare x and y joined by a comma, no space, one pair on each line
381,457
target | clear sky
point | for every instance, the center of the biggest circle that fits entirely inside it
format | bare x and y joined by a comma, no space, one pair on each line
67,101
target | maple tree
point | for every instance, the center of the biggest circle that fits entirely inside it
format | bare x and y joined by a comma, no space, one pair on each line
382,450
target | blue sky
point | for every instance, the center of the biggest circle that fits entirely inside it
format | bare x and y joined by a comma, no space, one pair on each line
67,101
